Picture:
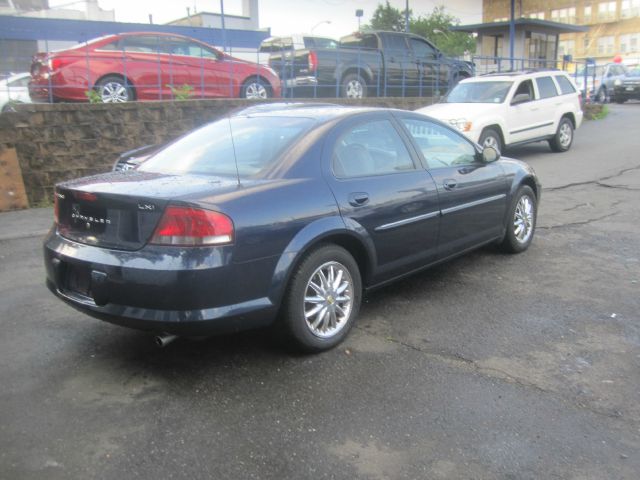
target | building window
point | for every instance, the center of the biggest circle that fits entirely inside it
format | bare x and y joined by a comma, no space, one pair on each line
501,19
630,8
587,14
564,15
607,11
629,43
566,47
537,15
606,45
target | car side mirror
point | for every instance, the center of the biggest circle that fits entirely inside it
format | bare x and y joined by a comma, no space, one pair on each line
521,98
490,154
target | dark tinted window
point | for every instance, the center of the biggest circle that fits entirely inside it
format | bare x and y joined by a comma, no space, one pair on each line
566,86
257,143
440,146
422,49
372,148
395,43
181,46
546,87
141,44
359,41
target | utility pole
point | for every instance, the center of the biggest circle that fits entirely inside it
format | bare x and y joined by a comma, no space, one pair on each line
512,31
224,32
406,16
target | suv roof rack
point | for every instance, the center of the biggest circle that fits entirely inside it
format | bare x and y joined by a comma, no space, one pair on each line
519,72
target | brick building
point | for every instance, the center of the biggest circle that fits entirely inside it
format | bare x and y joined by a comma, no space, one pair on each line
614,25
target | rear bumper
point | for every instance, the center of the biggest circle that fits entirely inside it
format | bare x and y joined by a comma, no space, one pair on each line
189,292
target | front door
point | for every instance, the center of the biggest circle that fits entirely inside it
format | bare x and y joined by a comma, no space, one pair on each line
381,187
472,193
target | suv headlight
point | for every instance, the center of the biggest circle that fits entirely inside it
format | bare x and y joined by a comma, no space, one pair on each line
461,124
618,82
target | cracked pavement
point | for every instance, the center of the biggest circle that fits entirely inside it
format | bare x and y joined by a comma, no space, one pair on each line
489,367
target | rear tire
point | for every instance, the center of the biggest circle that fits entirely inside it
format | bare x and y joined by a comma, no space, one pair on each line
521,221
601,96
114,89
322,301
255,89
354,86
562,140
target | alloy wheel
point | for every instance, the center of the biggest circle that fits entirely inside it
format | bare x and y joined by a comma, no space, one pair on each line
565,135
328,299
255,91
523,219
114,92
354,89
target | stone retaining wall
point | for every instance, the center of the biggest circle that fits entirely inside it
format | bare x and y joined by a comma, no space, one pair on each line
64,141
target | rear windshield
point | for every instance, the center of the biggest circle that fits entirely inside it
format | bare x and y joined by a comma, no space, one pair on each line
211,150
479,92
319,42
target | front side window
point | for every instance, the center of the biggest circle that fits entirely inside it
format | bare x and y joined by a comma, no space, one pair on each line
479,92
248,145
422,49
546,87
372,148
440,146
525,87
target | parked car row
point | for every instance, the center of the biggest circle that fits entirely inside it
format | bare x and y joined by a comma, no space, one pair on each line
152,66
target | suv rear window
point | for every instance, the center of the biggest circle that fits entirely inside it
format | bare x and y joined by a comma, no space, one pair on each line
546,87
566,86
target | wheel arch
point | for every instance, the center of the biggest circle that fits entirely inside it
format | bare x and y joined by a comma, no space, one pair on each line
497,128
571,117
126,79
359,247
363,72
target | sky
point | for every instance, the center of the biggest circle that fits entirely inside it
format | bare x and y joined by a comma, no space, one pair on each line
283,16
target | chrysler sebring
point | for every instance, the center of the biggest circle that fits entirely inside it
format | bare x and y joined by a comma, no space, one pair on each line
283,216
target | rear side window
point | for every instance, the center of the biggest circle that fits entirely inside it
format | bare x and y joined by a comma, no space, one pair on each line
565,84
372,148
546,87
142,44
359,41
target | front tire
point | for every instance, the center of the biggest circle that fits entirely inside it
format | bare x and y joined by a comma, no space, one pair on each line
601,96
491,138
522,221
562,140
354,86
323,299
255,89
114,89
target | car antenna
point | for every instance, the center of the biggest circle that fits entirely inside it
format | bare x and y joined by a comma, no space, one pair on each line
233,145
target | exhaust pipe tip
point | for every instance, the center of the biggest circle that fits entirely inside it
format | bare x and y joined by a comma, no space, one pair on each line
164,339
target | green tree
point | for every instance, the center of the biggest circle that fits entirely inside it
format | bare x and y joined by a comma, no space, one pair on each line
386,17
436,27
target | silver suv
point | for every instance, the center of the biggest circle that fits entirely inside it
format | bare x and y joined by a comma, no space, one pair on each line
600,80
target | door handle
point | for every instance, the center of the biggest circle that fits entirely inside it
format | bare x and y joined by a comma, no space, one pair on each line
358,199
450,184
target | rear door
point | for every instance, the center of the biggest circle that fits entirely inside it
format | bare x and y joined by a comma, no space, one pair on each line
381,187
549,103
472,193
401,75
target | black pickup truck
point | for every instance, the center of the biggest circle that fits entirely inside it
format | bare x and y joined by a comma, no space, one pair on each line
372,63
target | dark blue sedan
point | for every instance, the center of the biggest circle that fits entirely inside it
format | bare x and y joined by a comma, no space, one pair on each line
281,215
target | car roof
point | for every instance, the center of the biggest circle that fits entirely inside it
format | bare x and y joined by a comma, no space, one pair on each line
319,111
513,75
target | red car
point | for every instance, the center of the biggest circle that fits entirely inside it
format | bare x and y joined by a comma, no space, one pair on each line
147,66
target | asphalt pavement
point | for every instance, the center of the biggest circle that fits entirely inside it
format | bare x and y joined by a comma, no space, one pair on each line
492,366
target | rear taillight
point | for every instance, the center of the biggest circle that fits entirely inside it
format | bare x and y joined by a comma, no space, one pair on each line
56,63
192,227
313,61
56,207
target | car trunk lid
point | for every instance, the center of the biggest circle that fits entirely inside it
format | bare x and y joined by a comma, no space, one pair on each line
121,210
